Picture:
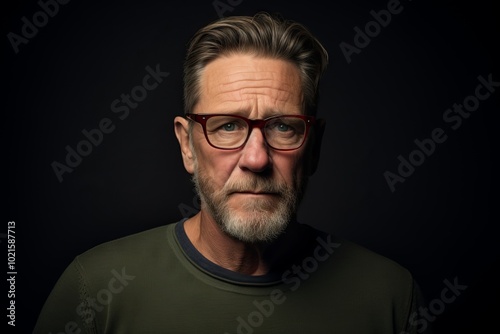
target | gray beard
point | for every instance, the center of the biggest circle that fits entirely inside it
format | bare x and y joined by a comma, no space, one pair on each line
264,219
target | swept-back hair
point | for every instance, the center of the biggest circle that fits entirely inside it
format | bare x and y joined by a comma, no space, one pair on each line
261,35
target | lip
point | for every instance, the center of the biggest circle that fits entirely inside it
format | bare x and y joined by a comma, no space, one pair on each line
256,193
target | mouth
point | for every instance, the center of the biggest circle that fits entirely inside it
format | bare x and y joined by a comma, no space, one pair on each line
255,193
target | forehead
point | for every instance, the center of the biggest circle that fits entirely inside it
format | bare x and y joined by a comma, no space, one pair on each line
247,83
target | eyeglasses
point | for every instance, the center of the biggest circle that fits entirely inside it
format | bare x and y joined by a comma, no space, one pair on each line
229,132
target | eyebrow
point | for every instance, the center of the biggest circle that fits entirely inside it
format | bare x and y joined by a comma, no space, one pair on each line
266,114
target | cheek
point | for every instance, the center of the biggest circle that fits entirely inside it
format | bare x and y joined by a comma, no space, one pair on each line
216,165
289,165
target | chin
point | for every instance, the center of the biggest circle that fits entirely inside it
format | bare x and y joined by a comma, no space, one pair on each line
251,205
254,227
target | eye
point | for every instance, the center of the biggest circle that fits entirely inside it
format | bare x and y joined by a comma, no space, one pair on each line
228,127
225,124
282,127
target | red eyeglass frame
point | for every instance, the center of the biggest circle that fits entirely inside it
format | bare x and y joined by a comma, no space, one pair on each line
252,123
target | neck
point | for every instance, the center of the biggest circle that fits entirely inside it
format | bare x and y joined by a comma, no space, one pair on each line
228,252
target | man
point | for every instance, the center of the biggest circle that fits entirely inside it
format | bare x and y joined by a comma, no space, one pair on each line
243,264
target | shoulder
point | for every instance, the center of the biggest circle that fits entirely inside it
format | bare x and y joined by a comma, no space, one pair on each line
371,276
362,280
352,255
133,252
365,259
351,262
137,242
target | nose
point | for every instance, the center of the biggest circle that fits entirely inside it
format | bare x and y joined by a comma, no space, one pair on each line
255,154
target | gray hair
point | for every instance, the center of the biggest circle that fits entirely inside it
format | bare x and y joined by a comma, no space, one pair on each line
262,35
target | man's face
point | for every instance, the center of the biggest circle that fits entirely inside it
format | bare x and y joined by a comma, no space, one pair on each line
252,193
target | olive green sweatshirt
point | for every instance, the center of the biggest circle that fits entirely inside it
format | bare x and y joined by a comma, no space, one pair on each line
157,282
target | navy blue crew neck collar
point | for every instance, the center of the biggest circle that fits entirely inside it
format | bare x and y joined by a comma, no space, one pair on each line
217,271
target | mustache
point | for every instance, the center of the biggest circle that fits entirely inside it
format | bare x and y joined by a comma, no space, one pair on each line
261,185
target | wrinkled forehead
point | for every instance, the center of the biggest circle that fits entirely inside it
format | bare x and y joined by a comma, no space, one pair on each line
248,80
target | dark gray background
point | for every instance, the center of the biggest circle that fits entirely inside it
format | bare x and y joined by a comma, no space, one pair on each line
439,223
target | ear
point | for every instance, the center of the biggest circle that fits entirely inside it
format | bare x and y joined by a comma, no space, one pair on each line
314,149
181,127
